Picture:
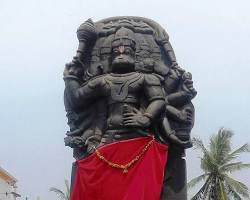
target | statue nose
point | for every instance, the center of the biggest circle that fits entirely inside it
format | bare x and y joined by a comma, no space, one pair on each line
121,49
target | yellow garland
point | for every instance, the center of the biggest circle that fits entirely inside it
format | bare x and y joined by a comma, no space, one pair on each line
130,163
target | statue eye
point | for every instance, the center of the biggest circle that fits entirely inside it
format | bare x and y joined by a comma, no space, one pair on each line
115,52
127,51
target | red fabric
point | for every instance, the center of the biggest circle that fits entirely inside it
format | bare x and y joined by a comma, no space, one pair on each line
95,180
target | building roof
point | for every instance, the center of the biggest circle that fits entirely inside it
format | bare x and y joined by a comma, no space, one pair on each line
7,176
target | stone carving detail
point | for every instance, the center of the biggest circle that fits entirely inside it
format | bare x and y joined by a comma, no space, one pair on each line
124,82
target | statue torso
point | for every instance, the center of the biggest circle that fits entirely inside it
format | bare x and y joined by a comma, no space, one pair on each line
124,89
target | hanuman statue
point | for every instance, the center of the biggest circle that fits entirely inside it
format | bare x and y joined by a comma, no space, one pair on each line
129,107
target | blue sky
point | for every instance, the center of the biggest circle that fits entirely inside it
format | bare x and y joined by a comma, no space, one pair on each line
211,39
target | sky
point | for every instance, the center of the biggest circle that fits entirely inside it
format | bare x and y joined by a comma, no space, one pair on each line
211,39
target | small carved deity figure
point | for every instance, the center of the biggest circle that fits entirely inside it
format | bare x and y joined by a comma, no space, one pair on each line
124,89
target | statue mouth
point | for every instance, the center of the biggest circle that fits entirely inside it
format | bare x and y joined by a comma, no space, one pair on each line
123,60
123,67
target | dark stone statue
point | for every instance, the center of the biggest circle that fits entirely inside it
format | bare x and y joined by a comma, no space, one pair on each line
124,82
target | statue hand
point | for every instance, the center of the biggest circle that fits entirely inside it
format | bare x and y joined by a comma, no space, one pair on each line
66,69
175,140
92,142
136,119
184,144
74,68
186,115
74,142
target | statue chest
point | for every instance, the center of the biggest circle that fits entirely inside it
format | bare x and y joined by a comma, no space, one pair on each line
124,88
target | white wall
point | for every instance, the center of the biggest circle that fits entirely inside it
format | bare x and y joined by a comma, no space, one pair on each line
5,187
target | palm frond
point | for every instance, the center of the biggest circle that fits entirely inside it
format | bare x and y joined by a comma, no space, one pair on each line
67,188
62,195
232,167
232,193
237,186
207,161
196,180
243,149
220,145
202,193
198,144
59,193
208,164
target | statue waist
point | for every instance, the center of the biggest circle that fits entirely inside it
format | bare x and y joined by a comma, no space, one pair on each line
123,134
128,99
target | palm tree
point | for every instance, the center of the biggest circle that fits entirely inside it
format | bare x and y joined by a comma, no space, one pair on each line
218,162
62,195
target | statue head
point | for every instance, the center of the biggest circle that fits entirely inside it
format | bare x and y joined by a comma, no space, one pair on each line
123,51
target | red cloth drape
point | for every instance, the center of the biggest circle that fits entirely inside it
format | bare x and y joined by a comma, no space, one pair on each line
96,180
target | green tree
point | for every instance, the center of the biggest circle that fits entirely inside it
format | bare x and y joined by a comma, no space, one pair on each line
61,194
218,162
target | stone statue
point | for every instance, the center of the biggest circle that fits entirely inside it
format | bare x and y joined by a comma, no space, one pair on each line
125,83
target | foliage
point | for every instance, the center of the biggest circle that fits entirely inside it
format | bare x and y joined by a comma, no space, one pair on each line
62,195
218,162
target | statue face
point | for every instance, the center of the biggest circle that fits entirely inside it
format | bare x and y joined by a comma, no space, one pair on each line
123,59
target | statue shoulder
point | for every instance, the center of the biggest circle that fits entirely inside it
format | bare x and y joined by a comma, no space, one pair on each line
152,79
96,82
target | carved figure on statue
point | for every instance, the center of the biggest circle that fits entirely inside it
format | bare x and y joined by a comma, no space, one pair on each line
124,85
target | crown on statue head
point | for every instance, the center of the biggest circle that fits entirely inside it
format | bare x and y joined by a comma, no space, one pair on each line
124,37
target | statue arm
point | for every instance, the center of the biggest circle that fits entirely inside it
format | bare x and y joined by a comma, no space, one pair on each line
155,95
155,109
79,95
